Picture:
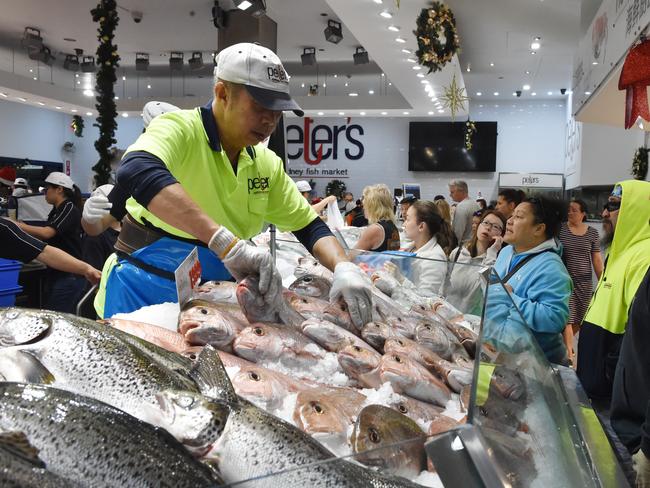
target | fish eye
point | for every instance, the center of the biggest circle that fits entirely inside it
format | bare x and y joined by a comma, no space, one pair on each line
374,436
184,401
427,326
203,311
399,319
254,376
192,356
397,359
399,341
304,300
343,307
402,408
258,331
307,279
317,408
356,348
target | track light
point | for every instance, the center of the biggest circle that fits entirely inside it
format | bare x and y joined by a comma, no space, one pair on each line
176,61
196,61
308,56
32,39
88,64
71,62
43,55
141,61
218,16
360,56
333,31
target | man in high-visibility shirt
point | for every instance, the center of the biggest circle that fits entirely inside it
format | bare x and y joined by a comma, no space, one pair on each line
200,177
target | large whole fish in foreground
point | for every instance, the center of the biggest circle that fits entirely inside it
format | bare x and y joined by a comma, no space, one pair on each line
216,292
312,286
95,445
256,444
202,322
331,336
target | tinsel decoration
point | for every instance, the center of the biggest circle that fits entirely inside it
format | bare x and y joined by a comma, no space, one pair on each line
107,59
470,130
77,125
453,97
640,163
437,36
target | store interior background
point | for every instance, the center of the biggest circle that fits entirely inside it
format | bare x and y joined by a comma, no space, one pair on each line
537,134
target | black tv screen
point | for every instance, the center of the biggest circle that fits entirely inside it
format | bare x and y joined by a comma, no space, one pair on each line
440,146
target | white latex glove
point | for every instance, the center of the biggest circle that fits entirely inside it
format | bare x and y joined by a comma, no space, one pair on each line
642,468
391,268
242,260
95,208
354,286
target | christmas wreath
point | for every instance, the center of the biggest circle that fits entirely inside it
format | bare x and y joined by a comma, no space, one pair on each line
107,59
470,130
437,36
640,163
77,126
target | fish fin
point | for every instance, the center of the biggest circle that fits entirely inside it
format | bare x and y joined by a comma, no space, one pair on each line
18,365
210,376
17,443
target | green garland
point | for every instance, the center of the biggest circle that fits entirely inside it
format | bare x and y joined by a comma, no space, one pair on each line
470,130
431,23
77,125
107,59
640,163
335,187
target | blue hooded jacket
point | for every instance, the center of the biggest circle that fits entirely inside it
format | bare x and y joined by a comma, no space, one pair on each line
541,290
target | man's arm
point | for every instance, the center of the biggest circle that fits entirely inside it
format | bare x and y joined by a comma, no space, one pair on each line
597,260
43,233
329,252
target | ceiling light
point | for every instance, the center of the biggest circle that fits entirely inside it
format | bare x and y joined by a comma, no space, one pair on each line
407,51
360,56
549,93
535,46
587,93
243,4
405,113
336,76
393,28
416,67
492,65
324,85
148,87
371,92
308,56
321,113
333,32
534,94
302,85
341,113
353,94
527,72
594,63
383,74
420,75
35,78
116,97
196,61
468,69
390,84
78,83
41,104
478,94
141,61
176,61
88,64
514,93
362,113
89,93
71,62
496,94
386,14
526,87
22,99
384,113
89,114
123,78
440,111
74,110
399,39
430,113
378,1
346,83
424,82
533,52
125,115
411,60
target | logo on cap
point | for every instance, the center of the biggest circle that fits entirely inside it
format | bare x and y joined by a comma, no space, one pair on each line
277,74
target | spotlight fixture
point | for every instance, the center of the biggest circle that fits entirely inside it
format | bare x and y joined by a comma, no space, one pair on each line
562,91
333,32
242,4
218,16
526,87
313,90
44,55
32,39
535,45
360,56
176,61
71,62
141,61
196,61
88,64
308,56
518,93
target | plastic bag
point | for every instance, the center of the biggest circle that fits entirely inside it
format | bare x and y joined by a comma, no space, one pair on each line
334,217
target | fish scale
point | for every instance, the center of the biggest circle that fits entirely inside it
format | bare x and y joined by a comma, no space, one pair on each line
96,445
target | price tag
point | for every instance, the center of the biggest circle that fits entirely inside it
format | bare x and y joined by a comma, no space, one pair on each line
188,276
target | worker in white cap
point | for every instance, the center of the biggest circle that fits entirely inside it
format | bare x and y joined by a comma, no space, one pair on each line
202,178
20,187
305,189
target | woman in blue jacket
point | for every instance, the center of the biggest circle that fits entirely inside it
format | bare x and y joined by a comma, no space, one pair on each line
538,284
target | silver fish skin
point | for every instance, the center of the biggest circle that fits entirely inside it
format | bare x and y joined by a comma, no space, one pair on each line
308,265
361,365
96,445
312,286
440,340
216,292
330,336
202,322
88,358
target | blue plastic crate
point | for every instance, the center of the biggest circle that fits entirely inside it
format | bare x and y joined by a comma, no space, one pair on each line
8,296
9,273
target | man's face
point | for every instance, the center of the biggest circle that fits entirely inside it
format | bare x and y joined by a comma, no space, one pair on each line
504,207
455,194
610,217
404,207
348,198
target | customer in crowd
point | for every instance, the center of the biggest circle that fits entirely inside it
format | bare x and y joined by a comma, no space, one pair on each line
444,209
465,287
346,203
305,189
62,230
381,233
432,239
476,219
532,271
20,187
356,217
405,204
461,222
581,255
627,241
18,244
482,204
507,201
438,197
630,407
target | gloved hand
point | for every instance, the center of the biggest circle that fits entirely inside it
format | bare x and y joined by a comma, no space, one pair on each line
642,468
391,268
354,286
242,260
95,208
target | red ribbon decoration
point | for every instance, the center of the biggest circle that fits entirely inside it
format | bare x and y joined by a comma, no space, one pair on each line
635,77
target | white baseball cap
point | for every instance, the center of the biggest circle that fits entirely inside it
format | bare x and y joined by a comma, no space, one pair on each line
60,179
20,182
153,109
260,70
303,186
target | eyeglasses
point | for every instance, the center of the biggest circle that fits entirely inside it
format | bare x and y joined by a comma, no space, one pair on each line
491,226
612,206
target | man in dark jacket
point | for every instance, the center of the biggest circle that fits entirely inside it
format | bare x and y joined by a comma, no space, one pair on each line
630,415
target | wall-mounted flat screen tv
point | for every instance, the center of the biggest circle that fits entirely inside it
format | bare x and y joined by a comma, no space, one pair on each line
440,146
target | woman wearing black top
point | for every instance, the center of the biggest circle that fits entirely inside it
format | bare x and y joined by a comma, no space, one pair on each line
62,230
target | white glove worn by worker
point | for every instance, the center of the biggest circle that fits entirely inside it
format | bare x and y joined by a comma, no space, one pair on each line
95,208
355,287
242,259
642,468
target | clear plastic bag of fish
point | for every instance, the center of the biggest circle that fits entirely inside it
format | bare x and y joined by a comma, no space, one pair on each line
373,261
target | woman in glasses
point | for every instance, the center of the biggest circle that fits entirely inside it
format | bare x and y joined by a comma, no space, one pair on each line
538,284
463,288
581,255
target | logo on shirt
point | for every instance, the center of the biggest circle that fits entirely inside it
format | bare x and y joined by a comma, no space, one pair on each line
258,185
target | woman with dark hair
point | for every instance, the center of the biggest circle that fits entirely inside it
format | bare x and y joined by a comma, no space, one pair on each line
464,288
62,230
433,239
581,252
537,282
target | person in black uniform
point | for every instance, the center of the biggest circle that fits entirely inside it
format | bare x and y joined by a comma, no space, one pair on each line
62,230
18,245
